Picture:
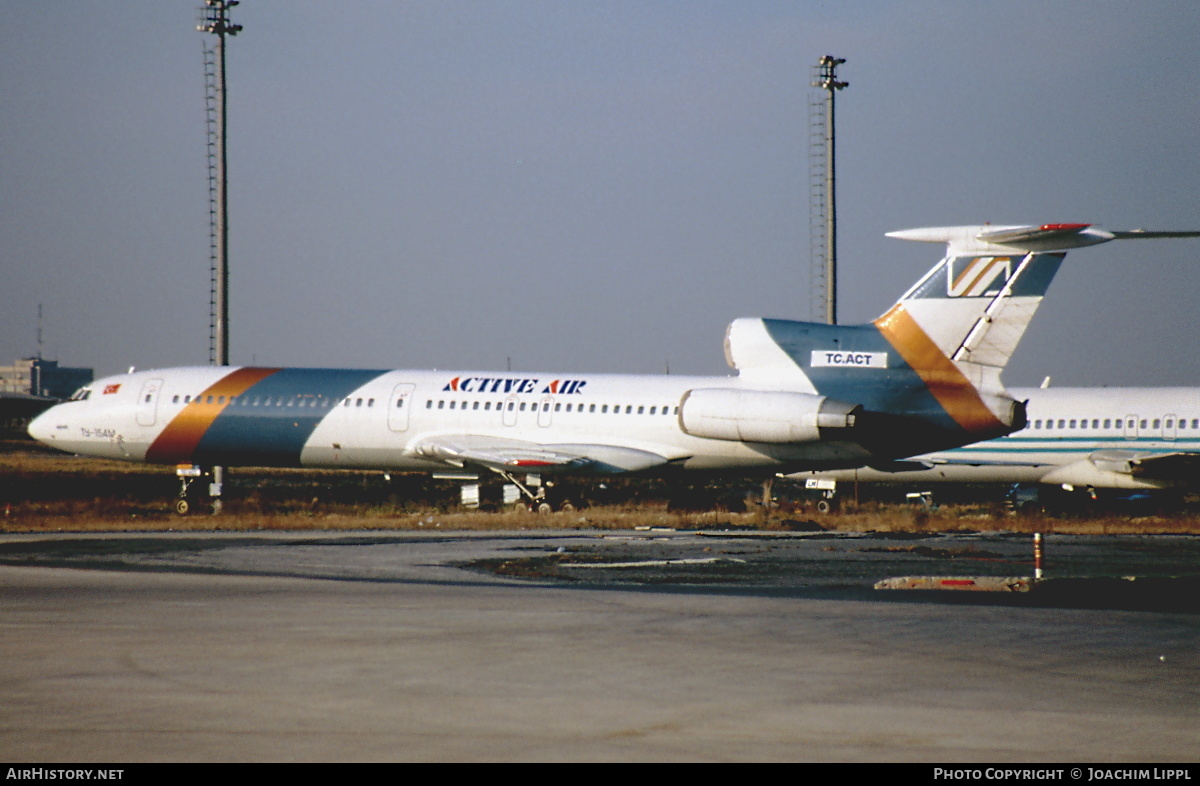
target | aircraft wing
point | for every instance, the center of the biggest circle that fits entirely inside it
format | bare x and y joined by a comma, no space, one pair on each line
982,462
514,455
1175,465
927,462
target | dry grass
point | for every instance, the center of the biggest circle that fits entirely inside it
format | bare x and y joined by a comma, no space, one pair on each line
116,516
21,465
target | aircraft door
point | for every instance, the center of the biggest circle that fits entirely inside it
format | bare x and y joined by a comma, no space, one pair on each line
546,413
147,406
510,410
1169,427
400,405
1131,427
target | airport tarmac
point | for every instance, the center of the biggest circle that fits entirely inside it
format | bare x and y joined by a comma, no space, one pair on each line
587,646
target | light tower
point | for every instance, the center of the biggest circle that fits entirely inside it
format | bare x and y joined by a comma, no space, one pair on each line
215,20
822,175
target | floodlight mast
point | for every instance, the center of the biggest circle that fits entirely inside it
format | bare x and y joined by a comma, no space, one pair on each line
827,80
215,20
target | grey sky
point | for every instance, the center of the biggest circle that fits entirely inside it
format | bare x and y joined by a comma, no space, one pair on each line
582,186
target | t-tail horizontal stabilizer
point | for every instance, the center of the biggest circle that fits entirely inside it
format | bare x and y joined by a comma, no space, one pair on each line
988,239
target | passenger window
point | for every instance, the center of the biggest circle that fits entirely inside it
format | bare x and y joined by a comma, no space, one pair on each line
591,408
603,409
441,404
1156,423
1142,424
210,398
1108,423
1037,424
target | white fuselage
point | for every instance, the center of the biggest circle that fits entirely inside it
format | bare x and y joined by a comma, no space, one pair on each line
376,421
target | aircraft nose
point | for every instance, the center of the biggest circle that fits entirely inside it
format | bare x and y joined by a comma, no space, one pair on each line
43,428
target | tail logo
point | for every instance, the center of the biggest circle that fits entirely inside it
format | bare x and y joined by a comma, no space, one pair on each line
978,276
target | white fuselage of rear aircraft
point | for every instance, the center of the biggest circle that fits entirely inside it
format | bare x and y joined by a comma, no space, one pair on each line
1129,438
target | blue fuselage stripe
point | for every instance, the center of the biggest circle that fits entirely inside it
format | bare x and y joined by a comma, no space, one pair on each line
271,422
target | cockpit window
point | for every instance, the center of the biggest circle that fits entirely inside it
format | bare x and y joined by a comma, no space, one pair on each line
81,394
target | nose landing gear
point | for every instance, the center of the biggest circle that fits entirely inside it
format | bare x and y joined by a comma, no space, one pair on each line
188,474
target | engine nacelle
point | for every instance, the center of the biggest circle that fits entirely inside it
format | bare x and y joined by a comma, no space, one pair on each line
762,415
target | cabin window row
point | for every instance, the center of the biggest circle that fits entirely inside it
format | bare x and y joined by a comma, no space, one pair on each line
1142,423
544,406
275,401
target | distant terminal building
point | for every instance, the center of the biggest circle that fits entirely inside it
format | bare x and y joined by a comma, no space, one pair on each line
29,386
43,378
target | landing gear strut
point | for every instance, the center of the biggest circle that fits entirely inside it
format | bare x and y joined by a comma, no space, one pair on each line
537,499
828,501
188,474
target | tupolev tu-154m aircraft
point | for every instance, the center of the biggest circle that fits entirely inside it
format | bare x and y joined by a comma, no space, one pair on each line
923,377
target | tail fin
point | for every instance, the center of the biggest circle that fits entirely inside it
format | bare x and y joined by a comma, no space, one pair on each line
935,357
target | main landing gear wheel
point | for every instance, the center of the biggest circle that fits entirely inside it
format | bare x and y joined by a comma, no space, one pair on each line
182,507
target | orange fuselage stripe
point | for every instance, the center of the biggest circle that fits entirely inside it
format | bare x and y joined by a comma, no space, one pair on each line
181,436
952,390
